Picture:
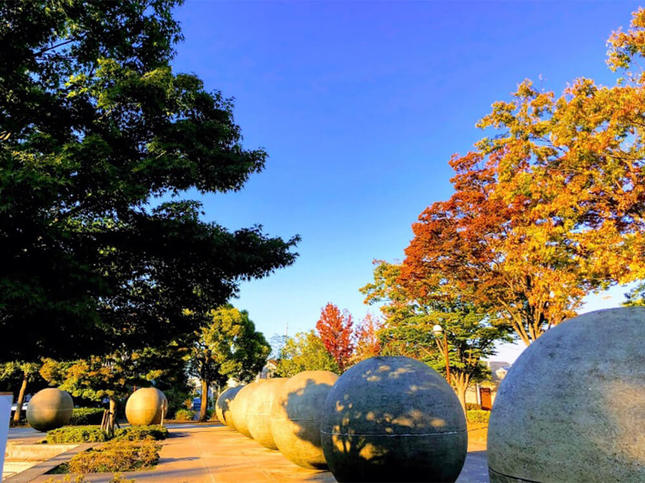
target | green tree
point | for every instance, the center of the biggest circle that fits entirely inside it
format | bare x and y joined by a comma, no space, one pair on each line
469,331
228,347
27,372
304,352
99,138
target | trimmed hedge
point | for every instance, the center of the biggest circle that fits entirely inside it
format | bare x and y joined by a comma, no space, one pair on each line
478,416
86,416
116,456
184,415
139,433
76,434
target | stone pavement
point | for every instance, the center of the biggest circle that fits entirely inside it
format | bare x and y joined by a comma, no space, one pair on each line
199,453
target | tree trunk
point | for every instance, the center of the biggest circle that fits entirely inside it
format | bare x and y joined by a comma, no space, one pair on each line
204,407
461,382
461,394
112,416
21,398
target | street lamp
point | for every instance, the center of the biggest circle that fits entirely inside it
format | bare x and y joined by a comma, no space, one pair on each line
437,330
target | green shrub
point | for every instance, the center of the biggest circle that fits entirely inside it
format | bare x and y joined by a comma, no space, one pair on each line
473,406
76,434
86,416
139,433
478,416
116,456
184,415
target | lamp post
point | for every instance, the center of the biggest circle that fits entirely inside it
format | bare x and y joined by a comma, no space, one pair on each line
437,330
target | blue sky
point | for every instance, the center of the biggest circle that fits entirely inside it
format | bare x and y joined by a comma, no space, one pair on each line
360,105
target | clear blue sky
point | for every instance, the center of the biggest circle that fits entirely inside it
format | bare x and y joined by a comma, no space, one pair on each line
360,105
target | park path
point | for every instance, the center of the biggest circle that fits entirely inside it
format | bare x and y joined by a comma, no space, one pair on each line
214,453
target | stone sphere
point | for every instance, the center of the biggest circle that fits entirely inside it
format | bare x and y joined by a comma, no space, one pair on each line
296,414
240,408
259,411
223,405
50,408
393,419
145,406
572,407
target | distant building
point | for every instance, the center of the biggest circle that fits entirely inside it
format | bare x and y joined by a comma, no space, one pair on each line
483,394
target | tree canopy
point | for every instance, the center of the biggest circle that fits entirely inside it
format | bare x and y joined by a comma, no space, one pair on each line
228,347
304,352
99,139
335,330
549,208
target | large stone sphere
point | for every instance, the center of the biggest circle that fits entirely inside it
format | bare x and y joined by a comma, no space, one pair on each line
50,408
223,405
145,406
572,407
393,419
240,408
259,411
296,414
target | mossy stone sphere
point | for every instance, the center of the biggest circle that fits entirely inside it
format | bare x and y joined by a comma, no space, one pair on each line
393,419
145,406
259,411
296,414
572,407
223,405
49,409
240,408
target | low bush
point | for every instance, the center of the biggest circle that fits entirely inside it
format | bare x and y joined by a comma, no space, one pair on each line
86,416
478,416
139,433
472,406
116,456
184,415
76,434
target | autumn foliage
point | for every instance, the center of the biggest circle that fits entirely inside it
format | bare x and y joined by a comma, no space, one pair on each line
366,337
335,330
547,210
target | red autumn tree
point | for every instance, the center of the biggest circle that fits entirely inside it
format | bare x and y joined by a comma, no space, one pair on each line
335,330
367,342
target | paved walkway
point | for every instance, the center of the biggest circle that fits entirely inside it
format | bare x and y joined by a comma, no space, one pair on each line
217,454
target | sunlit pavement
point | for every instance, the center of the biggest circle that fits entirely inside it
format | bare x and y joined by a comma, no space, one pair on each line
215,453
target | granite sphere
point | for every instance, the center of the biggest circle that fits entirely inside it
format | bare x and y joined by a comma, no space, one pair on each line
572,407
393,419
146,406
240,408
296,414
49,409
259,411
223,405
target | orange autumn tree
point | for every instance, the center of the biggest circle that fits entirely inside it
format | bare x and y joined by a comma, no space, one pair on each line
366,340
335,330
547,210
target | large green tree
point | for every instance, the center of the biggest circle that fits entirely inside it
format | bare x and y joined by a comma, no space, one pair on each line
228,347
99,139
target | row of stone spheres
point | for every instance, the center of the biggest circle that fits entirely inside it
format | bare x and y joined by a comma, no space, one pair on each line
52,408
385,419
